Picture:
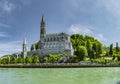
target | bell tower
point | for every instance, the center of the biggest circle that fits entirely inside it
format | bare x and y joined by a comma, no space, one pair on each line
24,48
42,28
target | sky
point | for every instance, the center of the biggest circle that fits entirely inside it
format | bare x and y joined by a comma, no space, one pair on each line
21,19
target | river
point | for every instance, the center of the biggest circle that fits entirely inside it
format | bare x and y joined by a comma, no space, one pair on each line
60,75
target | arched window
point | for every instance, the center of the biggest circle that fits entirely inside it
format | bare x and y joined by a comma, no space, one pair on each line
54,38
66,38
62,37
57,38
48,39
51,39
45,39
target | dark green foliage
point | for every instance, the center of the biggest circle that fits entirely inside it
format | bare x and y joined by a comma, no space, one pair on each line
12,60
32,47
118,58
28,59
74,59
93,46
89,49
99,50
81,52
111,50
52,58
117,48
20,60
36,45
35,59
5,60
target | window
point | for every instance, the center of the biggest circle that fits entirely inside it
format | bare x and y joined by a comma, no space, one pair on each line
51,39
54,38
57,38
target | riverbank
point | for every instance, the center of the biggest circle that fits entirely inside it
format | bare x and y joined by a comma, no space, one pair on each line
53,65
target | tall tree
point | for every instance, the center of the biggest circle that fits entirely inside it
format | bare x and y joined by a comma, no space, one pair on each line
111,50
89,49
81,52
13,60
28,59
35,59
94,47
20,60
99,49
117,47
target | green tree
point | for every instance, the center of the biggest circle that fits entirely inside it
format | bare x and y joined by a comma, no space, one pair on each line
117,48
45,60
13,60
89,49
7,60
99,49
3,61
111,50
28,59
35,59
94,47
74,59
81,52
20,60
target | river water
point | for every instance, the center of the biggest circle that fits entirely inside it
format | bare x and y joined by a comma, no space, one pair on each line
60,75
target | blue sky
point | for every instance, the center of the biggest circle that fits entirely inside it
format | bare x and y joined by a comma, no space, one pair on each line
21,18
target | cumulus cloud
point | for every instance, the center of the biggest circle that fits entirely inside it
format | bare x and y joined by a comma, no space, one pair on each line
6,6
85,30
78,28
10,47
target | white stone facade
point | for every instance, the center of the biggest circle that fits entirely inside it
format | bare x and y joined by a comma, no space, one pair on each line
52,43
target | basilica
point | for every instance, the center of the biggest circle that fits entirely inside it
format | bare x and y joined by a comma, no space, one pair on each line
49,43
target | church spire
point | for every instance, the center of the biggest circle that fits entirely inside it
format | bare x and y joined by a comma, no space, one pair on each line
24,48
43,20
42,28
25,42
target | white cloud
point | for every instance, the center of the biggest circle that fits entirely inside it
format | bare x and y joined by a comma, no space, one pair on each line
10,47
3,34
8,7
85,30
100,37
78,28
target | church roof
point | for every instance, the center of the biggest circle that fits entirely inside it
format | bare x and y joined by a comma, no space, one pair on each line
57,34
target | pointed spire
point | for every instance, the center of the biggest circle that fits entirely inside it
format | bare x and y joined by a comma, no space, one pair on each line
24,42
43,20
42,28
